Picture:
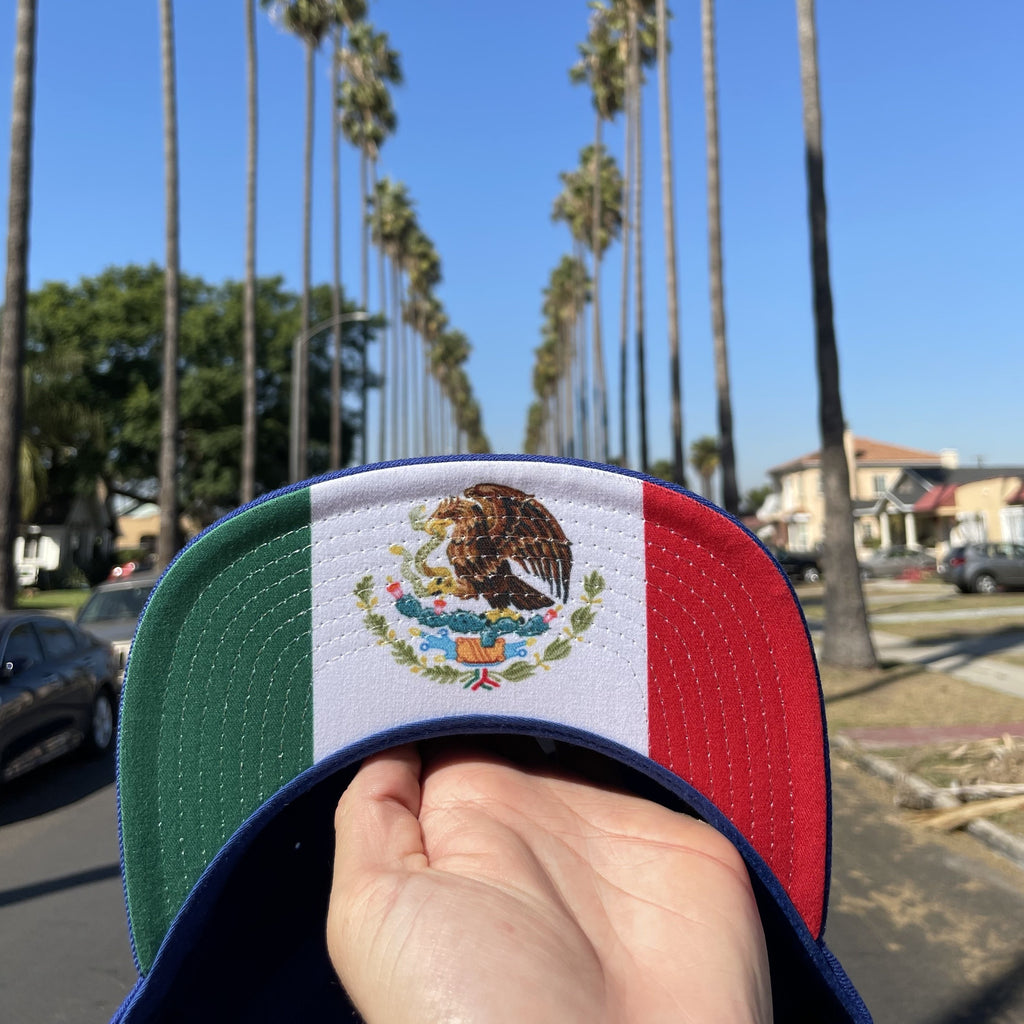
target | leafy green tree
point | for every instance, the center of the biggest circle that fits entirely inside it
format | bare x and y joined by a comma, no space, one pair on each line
847,636
169,539
730,493
93,393
12,334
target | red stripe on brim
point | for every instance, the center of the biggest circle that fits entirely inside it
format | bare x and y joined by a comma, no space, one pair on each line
734,703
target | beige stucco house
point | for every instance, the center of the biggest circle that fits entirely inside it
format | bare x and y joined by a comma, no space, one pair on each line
900,496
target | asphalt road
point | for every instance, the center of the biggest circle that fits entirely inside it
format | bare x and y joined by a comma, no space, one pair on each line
931,929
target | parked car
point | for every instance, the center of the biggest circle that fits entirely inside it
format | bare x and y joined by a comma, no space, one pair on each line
984,568
112,611
888,563
58,691
799,565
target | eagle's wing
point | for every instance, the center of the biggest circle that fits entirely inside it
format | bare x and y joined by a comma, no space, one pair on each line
524,531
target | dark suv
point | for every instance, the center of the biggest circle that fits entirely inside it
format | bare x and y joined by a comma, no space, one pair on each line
984,568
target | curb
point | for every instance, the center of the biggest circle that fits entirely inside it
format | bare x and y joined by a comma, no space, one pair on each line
923,794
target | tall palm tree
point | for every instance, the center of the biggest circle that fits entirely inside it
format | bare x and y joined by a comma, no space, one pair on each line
668,205
574,205
247,486
309,20
167,541
704,457
599,66
727,451
367,118
12,340
344,15
635,24
392,222
847,637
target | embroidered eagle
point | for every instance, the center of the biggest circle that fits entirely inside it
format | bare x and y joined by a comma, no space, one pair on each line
491,526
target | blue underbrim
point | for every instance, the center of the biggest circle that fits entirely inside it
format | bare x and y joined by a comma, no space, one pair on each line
248,944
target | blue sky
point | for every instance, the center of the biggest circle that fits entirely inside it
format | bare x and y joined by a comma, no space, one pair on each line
924,169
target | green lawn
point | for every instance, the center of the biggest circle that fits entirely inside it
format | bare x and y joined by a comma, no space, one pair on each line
53,600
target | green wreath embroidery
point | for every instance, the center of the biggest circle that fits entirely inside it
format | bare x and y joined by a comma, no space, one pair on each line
580,620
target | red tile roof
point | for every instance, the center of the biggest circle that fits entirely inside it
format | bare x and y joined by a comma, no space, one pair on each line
868,451
940,496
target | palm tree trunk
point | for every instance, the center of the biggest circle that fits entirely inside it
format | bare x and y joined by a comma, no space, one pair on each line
847,637
395,356
307,229
638,259
167,543
365,300
382,301
247,484
364,304
726,449
336,407
668,204
627,227
12,341
600,388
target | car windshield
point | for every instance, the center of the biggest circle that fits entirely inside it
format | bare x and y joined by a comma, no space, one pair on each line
111,605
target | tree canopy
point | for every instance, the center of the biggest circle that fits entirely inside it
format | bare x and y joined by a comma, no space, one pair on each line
92,408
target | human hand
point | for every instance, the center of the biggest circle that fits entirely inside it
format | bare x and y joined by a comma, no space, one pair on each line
468,889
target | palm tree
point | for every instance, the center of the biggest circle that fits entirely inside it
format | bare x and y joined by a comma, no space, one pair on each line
574,205
636,31
847,637
309,20
599,66
367,118
391,223
344,14
730,491
668,205
12,341
167,542
248,468
704,457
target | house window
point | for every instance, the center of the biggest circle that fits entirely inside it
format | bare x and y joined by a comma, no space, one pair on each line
867,530
1013,523
878,482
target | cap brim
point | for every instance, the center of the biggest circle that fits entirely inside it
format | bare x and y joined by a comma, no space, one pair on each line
343,615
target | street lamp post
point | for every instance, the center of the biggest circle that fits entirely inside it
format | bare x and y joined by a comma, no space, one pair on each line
300,394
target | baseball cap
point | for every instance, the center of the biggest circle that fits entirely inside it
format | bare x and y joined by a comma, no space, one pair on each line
588,607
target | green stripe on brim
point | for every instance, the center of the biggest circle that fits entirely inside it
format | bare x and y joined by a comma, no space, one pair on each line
186,699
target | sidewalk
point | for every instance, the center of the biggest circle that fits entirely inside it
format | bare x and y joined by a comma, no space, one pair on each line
965,658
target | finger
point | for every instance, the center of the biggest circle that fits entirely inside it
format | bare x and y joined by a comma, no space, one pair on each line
376,823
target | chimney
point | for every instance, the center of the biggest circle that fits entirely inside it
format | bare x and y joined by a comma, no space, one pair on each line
948,458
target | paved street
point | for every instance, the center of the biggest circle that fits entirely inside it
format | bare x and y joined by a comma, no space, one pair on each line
929,927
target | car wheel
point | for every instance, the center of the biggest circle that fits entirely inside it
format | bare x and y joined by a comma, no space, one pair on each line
985,584
811,575
100,737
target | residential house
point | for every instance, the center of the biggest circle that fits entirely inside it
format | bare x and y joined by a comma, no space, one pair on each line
901,496
71,536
